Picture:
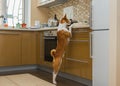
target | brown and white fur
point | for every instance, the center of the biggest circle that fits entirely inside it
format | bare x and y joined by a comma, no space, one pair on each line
63,36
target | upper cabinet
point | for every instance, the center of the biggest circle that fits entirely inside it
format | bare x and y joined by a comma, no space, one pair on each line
49,3
44,2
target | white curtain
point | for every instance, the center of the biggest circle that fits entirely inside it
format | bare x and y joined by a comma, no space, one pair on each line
15,12
0,6
2,9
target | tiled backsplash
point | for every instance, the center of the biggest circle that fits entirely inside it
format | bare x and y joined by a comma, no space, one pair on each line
81,10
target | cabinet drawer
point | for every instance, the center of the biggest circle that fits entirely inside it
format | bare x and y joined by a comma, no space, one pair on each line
78,50
79,36
82,68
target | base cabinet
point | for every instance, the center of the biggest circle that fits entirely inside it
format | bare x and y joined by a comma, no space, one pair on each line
79,68
77,59
28,48
17,48
10,48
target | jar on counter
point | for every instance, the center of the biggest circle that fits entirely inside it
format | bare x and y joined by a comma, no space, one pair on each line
23,25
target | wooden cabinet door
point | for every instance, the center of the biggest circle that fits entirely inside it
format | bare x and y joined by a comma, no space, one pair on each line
40,48
77,60
10,48
28,48
40,51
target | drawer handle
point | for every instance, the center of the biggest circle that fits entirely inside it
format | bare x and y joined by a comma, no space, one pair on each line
79,40
81,61
91,45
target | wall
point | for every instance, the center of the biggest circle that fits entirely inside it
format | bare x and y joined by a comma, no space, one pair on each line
81,9
40,14
118,43
114,60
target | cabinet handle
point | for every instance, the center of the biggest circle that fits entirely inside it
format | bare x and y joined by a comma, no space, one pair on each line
10,33
81,61
91,44
79,40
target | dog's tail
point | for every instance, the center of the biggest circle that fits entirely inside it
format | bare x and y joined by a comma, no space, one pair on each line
53,52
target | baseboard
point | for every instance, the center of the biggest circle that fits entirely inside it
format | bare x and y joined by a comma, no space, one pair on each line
67,76
17,68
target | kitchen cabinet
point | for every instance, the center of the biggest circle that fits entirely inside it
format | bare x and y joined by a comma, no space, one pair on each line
28,47
17,48
43,2
10,48
49,3
40,48
77,60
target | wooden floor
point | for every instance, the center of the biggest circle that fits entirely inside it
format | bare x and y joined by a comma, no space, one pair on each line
46,76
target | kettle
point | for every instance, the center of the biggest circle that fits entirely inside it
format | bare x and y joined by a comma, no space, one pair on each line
52,23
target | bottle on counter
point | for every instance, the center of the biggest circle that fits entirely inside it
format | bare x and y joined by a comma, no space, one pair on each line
5,22
18,25
56,21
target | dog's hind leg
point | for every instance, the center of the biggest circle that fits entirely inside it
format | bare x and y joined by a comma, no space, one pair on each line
56,66
54,78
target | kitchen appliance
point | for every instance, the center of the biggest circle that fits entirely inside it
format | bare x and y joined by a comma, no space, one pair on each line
52,23
100,41
50,42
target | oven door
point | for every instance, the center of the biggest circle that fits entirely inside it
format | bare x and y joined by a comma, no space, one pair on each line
50,42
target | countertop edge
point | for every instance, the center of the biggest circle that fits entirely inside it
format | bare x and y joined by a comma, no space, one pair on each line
35,29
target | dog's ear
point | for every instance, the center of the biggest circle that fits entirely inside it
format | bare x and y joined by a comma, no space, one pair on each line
65,16
66,19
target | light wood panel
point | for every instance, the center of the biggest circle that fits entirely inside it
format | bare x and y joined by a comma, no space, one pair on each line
28,48
17,48
10,48
40,48
77,59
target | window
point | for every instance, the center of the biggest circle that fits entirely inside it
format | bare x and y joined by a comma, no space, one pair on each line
1,2
16,11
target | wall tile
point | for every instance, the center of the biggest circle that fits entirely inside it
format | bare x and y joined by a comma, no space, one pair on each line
81,10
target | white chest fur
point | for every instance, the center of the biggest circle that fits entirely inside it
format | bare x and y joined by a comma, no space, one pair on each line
62,27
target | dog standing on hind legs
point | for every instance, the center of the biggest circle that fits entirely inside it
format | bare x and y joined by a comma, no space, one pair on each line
63,36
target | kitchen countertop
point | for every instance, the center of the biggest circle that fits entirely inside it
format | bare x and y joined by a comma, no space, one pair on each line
27,29
31,29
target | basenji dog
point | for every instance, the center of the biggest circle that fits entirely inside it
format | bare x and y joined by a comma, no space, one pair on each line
63,37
